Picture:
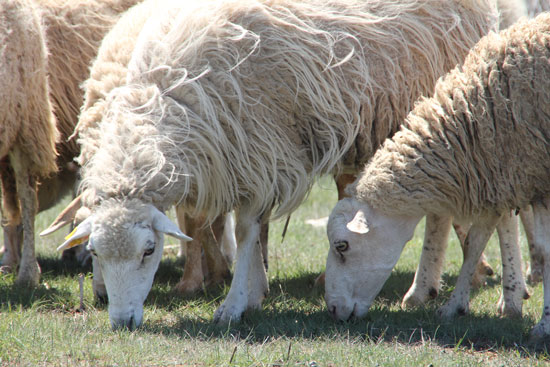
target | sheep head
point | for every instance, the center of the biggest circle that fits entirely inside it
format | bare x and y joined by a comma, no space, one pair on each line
126,239
365,245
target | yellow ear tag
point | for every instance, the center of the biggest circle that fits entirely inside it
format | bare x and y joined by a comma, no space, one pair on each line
76,242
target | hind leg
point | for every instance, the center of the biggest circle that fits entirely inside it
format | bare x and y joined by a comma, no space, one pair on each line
11,219
29,271
536,265
218,270
483,269
193,276
541,213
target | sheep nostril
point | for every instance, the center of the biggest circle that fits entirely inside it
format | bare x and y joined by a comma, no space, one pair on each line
131,324
332,311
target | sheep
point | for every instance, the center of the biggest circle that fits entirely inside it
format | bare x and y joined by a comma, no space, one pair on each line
28,133
427,278
89,39
215,117
448,160
70,33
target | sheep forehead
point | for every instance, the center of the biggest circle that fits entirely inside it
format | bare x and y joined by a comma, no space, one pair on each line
118,226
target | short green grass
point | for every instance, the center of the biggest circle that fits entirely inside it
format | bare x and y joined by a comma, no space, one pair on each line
43,326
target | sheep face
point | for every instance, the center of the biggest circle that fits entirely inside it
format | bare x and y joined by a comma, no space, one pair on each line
364,247
126,241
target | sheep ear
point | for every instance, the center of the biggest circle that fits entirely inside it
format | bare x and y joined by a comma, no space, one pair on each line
79,235
65,217
163,224
359,223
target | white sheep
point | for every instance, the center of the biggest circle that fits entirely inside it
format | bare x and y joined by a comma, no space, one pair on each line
427,278
70,33
241,105
448,160
192,279
28,131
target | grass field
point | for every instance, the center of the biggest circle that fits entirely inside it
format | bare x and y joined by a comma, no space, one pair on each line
43,326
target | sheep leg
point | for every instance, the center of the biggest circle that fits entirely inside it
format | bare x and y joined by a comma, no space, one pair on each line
258,277
193,275
475,243
428,274
218,270
29,271
11,219
229,242
248,256
483,268
264,235
514,289
98,284
536,265
13,236
541,212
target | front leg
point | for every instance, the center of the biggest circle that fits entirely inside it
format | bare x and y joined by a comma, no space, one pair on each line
541,212
29,270
428,274
98,284
475,243
248,255
514,289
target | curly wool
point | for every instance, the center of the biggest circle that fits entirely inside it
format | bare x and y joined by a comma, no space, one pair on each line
481,144
246,102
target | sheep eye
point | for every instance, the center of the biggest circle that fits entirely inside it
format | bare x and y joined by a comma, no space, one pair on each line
149,251
93,252
341,246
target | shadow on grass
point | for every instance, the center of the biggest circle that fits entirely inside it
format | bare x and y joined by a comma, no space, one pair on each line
296,309
44,297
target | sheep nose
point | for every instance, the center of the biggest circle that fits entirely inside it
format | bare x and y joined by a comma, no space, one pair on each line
129,324
332,312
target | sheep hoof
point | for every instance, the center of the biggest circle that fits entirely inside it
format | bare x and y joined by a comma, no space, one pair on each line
540,331
448,311
219,278
29,276
412,301
224,314
187,287
509,311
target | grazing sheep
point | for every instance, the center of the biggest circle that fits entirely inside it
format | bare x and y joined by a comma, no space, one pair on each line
28,130
448,160
95,94
241,105
72,32
427,278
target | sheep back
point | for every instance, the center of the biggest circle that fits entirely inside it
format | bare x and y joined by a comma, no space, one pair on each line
248,101
482,142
